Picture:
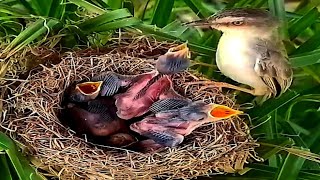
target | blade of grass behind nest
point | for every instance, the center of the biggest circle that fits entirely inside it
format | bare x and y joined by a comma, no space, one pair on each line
18,162
271,105
28,35
89,6
266,152
116,24
277,7
57,9
290,168
198,8
4,170
162,12
148,30
27,6
272,170
41,7
11,10
298,26
104,18
311,44
305,59
114,4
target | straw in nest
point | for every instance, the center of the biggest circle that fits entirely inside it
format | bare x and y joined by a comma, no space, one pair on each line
221,147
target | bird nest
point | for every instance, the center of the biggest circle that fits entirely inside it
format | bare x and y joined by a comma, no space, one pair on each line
32,108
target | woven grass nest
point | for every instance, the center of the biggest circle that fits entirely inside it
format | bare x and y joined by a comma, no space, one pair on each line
222,147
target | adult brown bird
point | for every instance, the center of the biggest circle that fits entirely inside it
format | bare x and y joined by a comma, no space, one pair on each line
250,51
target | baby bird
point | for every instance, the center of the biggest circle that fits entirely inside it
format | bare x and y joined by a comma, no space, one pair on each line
250,51
128,107
83,92
169,127
95,118
172,62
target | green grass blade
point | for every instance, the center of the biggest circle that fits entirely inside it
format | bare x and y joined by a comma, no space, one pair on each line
277,7
302,174
116,24
115,4
27,6
4,168
302,23
290,168
288,129
272,104
305,59
28,35
90,7
11,10
162,12
106,17
266,152
57,9
311,44
42,7
198,8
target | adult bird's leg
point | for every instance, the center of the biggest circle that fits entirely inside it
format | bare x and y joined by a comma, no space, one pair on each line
220,85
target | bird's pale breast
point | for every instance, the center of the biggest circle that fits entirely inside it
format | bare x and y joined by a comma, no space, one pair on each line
236,61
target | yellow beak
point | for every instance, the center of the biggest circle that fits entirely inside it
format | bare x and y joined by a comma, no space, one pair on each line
222,112
180,51
89,88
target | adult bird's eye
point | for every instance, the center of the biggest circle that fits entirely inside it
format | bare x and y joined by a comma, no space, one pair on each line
237,23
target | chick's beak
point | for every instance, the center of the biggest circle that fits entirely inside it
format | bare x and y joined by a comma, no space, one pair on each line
181,51
89,88
222,112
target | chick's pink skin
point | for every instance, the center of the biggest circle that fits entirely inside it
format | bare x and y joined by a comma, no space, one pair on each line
128,107
162,124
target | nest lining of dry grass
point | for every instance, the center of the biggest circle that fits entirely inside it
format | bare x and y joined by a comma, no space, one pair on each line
222,147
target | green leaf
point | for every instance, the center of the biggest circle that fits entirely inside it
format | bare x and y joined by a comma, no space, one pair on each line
28,35
162,12
266,151
290,168
4,170
272,170
310,45
92,23
277,7
198,8
116,24
115,4
272,104
302,23
90,7
11,10
57,9
305,59
41,7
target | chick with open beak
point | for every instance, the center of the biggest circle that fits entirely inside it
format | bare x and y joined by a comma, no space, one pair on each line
250,51
169,127
83,92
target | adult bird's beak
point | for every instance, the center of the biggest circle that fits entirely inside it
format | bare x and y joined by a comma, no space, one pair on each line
201,23
218,112
90,89
181,51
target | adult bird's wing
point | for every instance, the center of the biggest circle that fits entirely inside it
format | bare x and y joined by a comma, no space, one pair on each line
273,66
